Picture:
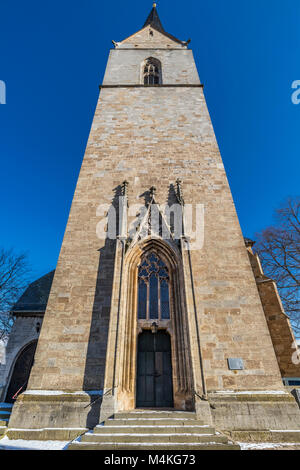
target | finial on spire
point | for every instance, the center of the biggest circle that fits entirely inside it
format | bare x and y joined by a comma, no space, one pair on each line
124,188
154,5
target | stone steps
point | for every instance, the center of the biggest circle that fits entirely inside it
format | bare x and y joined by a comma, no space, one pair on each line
6,406
144,429
5,412
153,422
150,447
155,415
153,430
154,438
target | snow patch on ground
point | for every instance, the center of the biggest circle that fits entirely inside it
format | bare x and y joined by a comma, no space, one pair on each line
265,445
161,412
151,426
60,392
151,444
252,392
157,435
148,419
46,429
21,444
284,430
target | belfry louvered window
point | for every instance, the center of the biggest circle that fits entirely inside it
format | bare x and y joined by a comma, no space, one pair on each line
153,289
152,72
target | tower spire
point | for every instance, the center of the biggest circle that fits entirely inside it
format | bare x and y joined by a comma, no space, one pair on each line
153,20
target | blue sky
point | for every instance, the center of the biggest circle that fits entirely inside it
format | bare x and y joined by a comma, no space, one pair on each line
53,56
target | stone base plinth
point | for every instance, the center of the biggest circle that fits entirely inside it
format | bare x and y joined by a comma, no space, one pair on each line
48,410
257,411
203,411
46,434
264,436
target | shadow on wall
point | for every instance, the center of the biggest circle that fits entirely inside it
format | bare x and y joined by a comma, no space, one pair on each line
96,352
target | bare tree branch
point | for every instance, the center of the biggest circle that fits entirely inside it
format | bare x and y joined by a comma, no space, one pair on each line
14,270
278,247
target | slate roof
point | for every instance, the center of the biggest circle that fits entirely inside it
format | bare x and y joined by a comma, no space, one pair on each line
36,295
153,20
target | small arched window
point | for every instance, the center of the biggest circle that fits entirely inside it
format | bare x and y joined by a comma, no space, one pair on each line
153,289
152,72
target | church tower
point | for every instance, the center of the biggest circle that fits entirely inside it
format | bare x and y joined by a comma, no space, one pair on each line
153,303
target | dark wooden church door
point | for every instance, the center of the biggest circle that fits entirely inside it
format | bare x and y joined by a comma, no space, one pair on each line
154,370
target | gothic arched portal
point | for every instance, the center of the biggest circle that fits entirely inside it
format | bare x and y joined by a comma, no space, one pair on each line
153,282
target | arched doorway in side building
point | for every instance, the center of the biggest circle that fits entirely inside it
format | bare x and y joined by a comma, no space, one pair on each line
21,372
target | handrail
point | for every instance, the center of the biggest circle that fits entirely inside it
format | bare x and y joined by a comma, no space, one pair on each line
202,397
18,391
101,396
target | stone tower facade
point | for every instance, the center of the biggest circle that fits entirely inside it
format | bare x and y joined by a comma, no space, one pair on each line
152,147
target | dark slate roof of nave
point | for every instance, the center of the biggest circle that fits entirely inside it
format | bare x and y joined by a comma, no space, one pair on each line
35,297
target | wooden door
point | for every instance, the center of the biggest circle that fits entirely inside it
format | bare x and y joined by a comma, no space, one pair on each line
154,370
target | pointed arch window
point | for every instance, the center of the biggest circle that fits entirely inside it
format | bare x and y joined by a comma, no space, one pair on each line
152,72
153,289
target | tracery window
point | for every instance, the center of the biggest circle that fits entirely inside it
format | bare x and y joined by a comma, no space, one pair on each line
153,289
152,72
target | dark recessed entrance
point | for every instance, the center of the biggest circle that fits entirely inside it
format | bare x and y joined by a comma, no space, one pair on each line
154,370
21,372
